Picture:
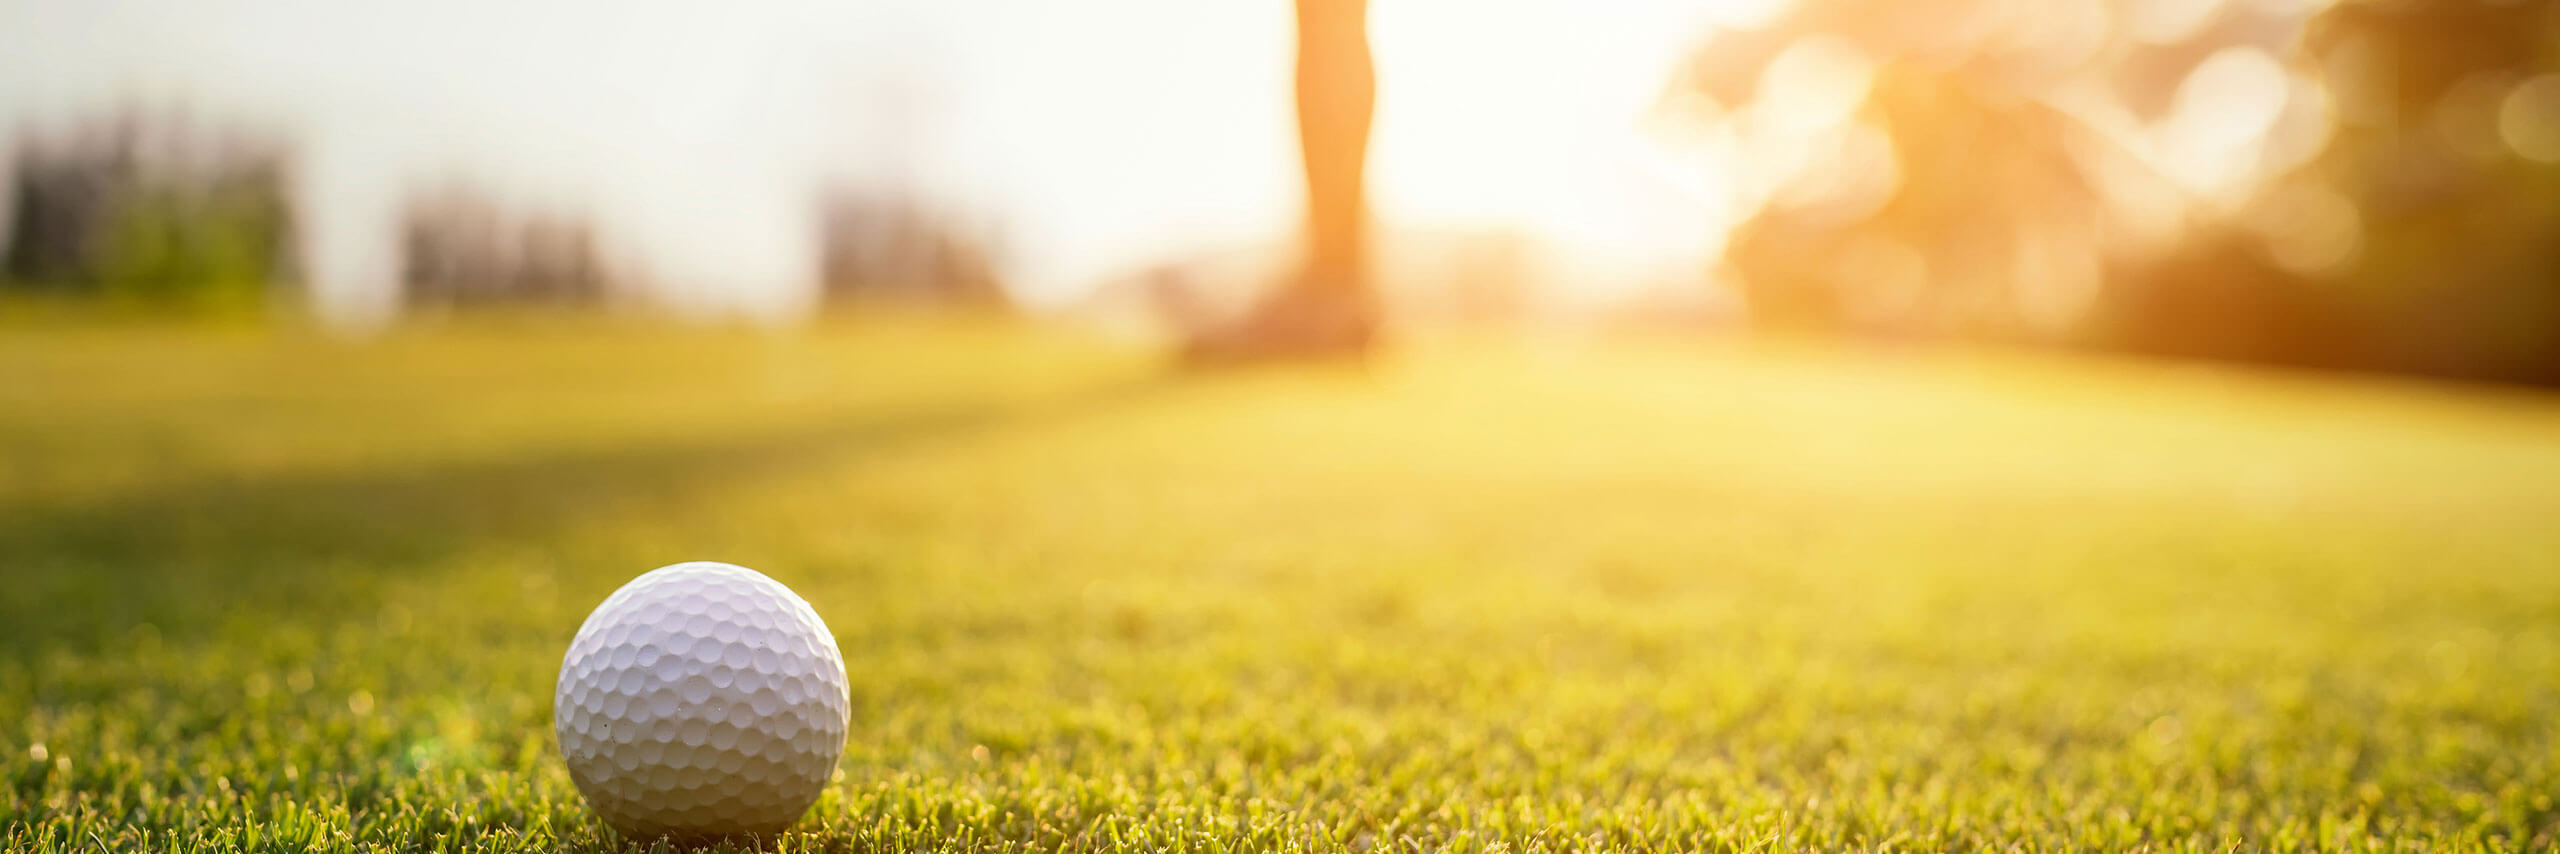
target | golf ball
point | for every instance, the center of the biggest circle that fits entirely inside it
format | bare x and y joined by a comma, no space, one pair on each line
701,699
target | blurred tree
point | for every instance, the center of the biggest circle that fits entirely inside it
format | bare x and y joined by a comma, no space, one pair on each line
2443,227
460,248
151,209
1967,217
2417,238
2148,176
886,246
1948,167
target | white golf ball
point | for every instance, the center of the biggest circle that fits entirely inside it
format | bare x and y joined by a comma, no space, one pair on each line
700,699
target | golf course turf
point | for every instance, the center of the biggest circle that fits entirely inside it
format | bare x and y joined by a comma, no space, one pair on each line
277,591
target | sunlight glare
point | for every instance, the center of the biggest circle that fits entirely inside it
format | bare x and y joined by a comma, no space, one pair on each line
1530,115
2214,135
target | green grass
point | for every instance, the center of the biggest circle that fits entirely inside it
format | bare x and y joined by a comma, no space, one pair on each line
276,592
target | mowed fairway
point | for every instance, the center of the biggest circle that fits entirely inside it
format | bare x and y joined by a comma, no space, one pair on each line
274,592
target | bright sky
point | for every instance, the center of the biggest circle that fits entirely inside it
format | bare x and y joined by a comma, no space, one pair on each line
1097,135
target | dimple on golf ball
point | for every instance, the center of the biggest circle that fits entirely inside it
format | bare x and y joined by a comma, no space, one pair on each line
701,699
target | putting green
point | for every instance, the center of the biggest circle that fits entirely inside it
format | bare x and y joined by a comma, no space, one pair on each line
279,592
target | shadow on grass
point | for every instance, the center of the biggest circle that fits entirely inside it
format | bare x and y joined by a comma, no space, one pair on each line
183,557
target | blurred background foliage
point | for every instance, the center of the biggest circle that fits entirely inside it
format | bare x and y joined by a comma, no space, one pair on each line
152,208
2371,185
460,247
2357,185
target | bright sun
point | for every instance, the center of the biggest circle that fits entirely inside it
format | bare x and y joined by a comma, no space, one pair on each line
1527,114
